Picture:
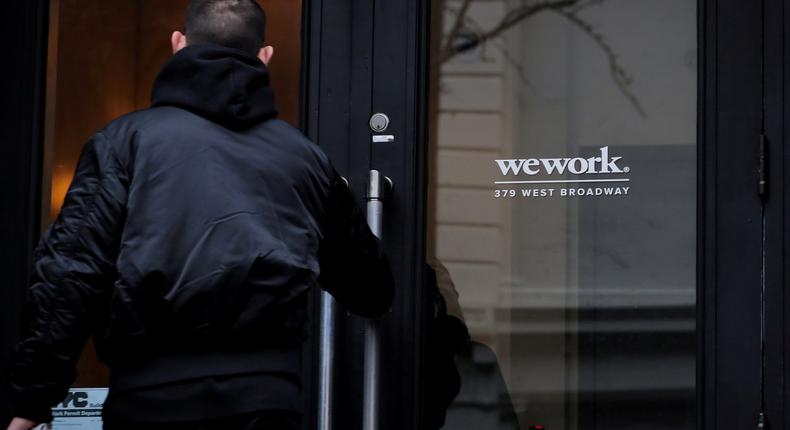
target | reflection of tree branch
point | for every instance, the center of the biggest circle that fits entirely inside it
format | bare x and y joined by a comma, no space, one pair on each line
520,71
569,9
512,18
457,26
578,8
616,70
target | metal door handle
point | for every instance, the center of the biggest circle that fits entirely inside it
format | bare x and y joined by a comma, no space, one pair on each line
326,360
379,188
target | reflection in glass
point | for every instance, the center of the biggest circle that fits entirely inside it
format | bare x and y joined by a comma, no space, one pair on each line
575,274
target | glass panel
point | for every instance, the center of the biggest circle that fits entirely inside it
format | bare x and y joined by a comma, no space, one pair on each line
563,212
103,58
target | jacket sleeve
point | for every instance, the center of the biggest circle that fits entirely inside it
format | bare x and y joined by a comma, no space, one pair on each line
74,268
353,268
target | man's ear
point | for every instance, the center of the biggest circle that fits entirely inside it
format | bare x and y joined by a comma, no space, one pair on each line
265,54
178,41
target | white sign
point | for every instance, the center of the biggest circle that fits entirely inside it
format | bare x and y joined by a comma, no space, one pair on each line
586,183
80,410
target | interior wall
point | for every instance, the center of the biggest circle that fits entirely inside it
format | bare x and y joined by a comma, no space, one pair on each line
108,54
96,69
96,75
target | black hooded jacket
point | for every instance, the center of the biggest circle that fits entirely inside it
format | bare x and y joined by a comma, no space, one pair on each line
189,239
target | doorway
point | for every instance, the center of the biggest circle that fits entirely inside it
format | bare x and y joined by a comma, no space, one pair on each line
563,305
103,58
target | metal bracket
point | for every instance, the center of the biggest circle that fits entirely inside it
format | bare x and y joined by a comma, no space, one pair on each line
383,138
379,187
762,170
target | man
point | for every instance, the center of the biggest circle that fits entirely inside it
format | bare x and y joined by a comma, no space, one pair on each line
188,244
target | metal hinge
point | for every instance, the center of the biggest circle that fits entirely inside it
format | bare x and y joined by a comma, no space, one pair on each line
762,170
761,424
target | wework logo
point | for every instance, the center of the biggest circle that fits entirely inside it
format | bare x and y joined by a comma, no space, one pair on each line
604,164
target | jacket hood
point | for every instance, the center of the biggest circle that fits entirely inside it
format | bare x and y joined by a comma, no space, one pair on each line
224,85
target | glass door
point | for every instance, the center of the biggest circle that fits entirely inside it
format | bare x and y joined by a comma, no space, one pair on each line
562,210
575,223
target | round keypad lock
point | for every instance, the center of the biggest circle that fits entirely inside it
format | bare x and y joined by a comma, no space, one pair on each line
379,122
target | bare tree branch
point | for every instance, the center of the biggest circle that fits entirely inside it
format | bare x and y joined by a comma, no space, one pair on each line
512,18
520,71
619,74
457,26
568,9
584,5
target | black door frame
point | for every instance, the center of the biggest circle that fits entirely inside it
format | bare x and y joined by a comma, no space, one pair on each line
776,265
362,57
23,38
336,86
729,215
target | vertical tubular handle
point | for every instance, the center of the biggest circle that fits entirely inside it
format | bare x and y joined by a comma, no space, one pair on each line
370,411
379,187
326,361
326,376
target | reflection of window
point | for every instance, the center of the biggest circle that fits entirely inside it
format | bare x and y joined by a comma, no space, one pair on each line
103,58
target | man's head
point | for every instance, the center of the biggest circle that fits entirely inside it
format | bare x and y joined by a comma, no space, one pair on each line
238,24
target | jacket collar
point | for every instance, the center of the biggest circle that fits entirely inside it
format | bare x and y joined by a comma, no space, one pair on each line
224,85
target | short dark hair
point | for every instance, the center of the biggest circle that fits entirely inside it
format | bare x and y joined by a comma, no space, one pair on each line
239,24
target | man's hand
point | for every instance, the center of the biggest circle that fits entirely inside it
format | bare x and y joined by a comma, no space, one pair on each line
21,424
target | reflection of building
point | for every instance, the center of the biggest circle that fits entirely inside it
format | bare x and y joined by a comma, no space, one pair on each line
558,285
